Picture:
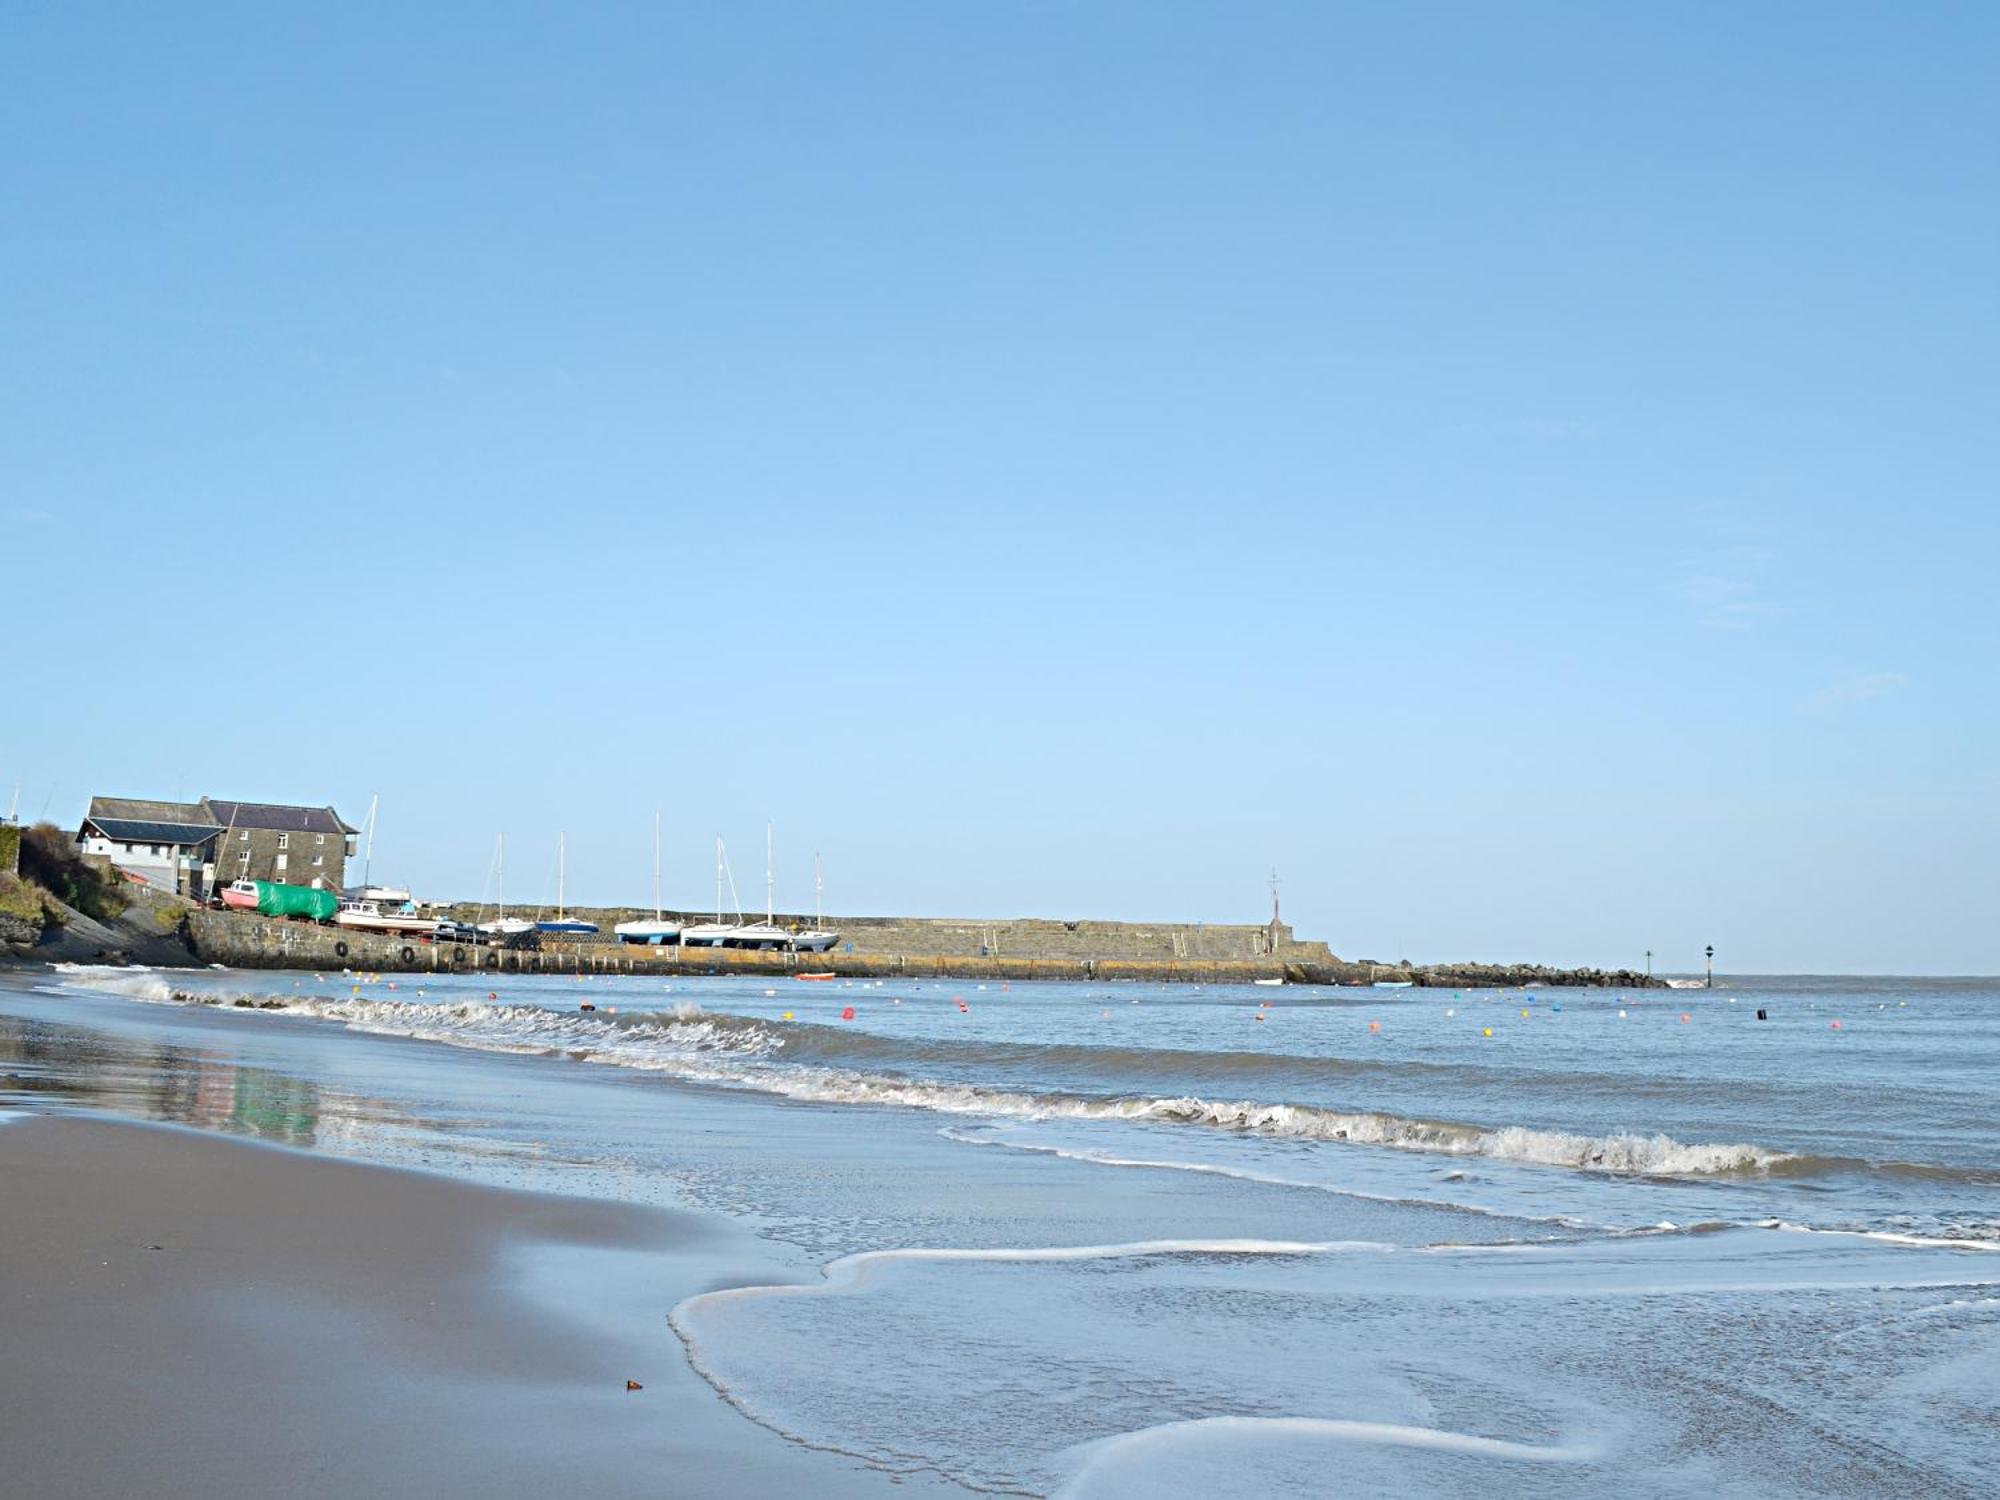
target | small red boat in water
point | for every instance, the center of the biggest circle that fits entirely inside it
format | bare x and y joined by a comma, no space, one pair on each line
815,976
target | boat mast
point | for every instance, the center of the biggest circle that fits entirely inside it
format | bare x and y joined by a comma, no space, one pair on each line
368,856
770,877
502,877
656,864
718,880
562,857
818,920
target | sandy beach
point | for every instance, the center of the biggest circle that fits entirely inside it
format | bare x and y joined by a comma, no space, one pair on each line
1051,1241
188,1314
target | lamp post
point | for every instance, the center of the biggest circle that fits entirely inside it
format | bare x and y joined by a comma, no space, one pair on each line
1711,966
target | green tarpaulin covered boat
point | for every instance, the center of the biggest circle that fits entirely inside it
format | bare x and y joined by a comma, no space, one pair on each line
296,901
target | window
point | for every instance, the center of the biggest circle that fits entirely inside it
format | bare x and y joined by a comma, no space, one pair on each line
157,849
281,862
319,838
284,841
243,862
244,835
318,860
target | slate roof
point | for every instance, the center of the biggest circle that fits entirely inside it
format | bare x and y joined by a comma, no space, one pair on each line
144,810
276,816
138,831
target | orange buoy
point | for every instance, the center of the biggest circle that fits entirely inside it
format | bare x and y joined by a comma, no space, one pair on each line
847,1014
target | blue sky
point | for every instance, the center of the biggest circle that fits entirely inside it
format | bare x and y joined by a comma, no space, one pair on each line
1526,472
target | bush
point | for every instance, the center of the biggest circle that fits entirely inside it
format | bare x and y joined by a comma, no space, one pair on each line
19,899
49,858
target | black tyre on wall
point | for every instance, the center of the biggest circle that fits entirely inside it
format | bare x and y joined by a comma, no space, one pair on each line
409,954
340,950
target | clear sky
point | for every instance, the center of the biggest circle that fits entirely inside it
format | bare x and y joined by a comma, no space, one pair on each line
1525,471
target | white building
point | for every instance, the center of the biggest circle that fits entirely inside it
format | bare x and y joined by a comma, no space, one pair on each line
169,845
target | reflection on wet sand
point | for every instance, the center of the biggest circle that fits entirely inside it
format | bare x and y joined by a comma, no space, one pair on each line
43,1063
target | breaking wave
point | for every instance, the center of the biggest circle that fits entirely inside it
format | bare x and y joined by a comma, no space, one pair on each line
133,983
741,1052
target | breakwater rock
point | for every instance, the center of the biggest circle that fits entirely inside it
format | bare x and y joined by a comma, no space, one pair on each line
1529,976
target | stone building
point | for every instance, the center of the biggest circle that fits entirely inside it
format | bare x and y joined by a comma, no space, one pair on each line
274,841
169,845
191,848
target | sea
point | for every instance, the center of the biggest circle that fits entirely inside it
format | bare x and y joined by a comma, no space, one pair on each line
1132,1239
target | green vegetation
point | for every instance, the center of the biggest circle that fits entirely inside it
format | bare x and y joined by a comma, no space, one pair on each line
10,847
49,858
22,900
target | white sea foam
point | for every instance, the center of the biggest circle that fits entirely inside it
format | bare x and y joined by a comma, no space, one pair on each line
737,1052
1246,1174
1889,1236
1100,1460
132,983
849,1272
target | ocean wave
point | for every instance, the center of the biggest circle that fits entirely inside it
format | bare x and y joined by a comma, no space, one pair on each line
635,1039
132,983
1982,1237
743,1052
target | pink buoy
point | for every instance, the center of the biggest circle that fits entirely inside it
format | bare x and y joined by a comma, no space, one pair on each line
847,1014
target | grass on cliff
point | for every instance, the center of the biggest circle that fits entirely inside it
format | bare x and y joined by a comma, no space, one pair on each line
50,860
20,899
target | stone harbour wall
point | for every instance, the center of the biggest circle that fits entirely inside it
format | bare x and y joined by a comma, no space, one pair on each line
1005,938
246,940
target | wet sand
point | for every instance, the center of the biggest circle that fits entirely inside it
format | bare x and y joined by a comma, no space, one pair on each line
185,1314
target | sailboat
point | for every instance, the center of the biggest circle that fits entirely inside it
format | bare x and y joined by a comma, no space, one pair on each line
659,931
388,897
504,925
767,933
817,938
712,934
563,923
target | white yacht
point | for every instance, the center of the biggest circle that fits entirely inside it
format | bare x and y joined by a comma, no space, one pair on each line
368,916
715,934
767,933
658,931
504,925
818,938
